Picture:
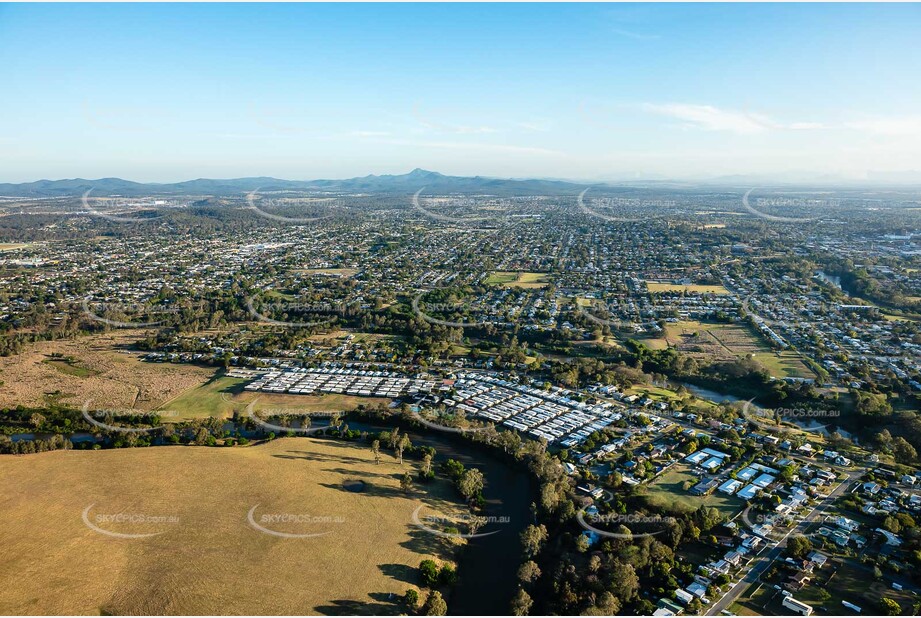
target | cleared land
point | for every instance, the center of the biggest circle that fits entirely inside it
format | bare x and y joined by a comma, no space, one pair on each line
518,279
655,287
723,342
667,492
100,370
222,395
672,397
345,273
211,560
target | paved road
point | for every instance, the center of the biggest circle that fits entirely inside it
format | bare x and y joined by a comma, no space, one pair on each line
764,561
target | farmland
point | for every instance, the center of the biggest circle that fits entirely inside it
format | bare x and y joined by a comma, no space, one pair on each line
205,556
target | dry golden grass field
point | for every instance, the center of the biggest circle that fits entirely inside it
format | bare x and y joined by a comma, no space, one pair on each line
104,373
210,559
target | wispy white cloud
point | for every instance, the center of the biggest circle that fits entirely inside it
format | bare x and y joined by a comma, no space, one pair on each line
710,118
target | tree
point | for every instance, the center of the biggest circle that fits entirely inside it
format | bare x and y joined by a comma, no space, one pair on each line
406,483
426,464
435,605
447,576
533,538
624,582
903,452
376,450
889,607
403,444
411,599
474,523
453,468
471,483
798,546
428,572
528,572
521,603
892,525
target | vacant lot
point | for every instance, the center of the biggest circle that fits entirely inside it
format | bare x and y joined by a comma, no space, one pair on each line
205,556
518,279
97,368
345,273
655,287
724,342
672,397
667,492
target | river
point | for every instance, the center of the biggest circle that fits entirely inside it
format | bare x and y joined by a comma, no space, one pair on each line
488,566
811,425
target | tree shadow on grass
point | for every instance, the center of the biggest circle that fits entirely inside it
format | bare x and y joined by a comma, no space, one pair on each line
424,542
311,456
353,473
400,572
370,489
384,604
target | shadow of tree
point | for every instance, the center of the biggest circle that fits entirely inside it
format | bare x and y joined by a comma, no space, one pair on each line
400,572
385,605
425,542
351,472
370,489
310,456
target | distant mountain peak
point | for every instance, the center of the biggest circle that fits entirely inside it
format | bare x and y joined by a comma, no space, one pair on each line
421,173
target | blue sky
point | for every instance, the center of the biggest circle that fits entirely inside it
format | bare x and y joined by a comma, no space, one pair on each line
172,92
